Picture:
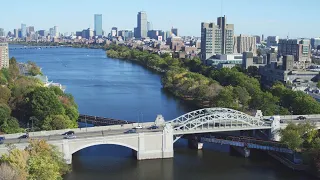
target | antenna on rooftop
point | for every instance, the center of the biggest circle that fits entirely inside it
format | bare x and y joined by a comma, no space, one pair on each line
221,7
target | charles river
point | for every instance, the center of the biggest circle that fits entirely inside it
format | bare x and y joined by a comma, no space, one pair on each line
123,90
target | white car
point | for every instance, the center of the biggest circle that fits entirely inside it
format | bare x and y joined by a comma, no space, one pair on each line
138,127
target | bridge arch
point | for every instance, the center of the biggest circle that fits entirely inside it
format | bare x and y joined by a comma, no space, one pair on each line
80,147
209,114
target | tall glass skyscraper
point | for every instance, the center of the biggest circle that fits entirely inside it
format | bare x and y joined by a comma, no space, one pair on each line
142,28
23,30
98,24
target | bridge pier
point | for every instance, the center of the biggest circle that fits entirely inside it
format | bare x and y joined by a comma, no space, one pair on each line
244,151
195,144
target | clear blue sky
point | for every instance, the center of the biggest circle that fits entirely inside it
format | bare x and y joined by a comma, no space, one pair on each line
271,17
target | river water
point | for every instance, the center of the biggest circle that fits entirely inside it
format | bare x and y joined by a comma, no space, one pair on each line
123,90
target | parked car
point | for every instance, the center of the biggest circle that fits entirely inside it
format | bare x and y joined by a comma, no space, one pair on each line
153,127
301,118
138,127
68,133
130,131
70,137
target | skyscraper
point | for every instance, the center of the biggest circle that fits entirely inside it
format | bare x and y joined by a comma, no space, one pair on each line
2,33
56,31
98,24
23,30
149,26
216,39
4,55
142,28
16,33
174,31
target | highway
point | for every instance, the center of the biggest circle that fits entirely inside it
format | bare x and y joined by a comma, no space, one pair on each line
79,135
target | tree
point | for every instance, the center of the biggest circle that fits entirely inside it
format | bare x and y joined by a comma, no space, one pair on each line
56,122
226,98
7,172
33,69
5,94
11,125
45,161
291,138
318,84
38,161
17,159
43,102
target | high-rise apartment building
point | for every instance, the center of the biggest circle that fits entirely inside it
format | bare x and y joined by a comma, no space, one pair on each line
98,24
174,31
56,31
4,55
16,33
216,39
315,42
2,33
149,26
300,49
51,32
142,27
245,44
258,39
272,41
23,30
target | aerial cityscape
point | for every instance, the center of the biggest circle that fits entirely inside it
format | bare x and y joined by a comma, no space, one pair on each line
102,100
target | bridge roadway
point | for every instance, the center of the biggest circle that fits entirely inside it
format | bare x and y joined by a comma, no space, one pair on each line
80,135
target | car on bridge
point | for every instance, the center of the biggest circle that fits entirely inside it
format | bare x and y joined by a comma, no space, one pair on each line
301,118
153,127
68,133
138,127
130,131
70,137
2,140
25,136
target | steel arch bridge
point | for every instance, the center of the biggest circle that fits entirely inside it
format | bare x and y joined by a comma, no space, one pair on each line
215,120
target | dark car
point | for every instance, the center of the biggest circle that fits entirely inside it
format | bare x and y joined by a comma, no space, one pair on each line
26,136
301,118
130,131
68,133
2,140
153,127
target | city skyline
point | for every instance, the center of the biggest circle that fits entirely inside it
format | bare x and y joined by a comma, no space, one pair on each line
250,17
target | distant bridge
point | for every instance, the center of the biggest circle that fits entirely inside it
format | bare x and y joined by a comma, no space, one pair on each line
35,47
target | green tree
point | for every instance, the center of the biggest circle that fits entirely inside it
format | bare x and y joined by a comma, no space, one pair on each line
43,102
38,161
5,94
56,122
291,138
10,126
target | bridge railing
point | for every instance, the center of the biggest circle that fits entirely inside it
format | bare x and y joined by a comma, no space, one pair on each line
79,130
295,117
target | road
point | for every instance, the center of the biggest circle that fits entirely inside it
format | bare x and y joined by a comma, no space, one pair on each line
78,135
